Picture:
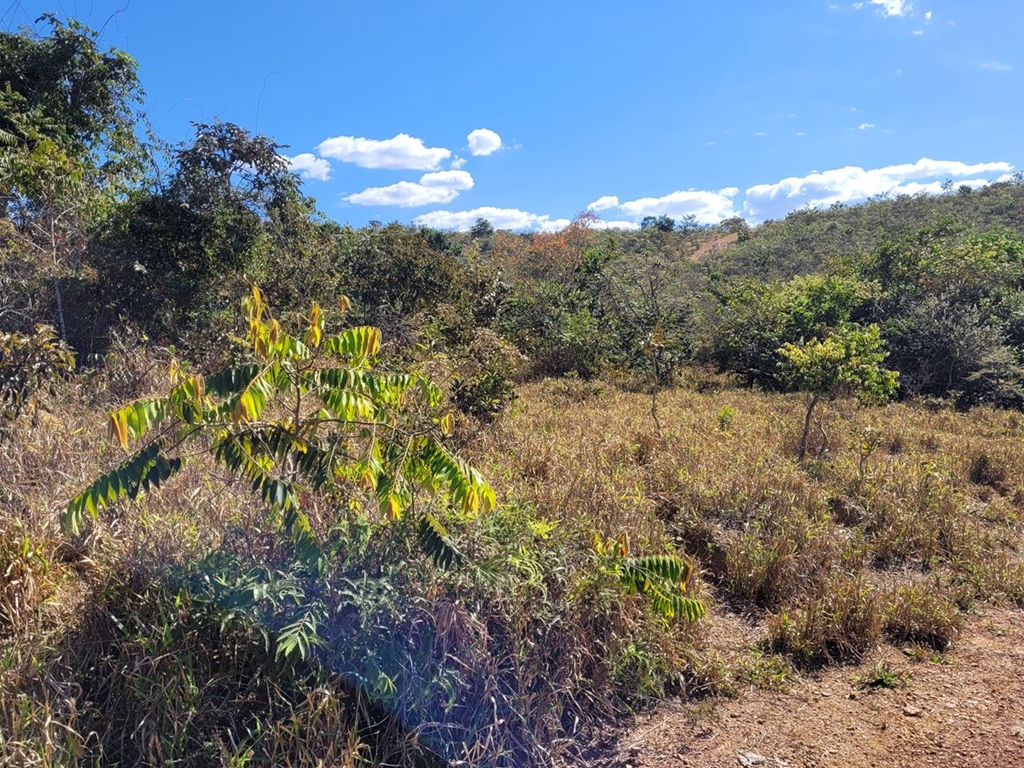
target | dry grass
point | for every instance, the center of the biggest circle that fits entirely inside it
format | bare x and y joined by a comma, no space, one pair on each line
904,519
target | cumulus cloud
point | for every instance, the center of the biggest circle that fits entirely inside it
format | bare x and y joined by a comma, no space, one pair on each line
431,189
401,152
483,141
866,126
853,184
599,224
705,207
500,218
309,166
604,203
457,162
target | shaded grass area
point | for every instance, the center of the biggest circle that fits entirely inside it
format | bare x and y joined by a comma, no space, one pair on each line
155,639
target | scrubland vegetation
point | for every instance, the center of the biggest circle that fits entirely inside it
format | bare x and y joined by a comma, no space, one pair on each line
281,492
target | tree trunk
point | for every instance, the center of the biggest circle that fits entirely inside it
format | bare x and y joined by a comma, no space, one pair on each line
807,426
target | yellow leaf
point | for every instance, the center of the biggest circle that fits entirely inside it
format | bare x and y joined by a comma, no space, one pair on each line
393,508
314,333
119,427
372,342
623,544
344,304
369,481
241,412
448,424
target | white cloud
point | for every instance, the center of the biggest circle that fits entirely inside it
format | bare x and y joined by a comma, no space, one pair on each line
706,207
599,224
865,126
500,218
457,162
917,32
403,152
996,66
928,18
483,141
893,7
432,188
853,184
936,187
309,166
604,203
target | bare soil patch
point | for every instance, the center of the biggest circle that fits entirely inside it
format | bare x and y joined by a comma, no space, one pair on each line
963,708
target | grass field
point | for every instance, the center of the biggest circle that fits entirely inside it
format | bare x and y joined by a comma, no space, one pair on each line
902,520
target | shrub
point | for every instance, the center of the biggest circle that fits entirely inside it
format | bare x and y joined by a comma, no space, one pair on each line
29,363
484,387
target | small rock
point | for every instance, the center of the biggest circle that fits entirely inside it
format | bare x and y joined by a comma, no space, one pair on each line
1017,730
749,759
911,711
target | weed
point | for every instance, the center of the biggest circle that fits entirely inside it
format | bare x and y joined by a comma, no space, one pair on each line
923,614
883,675
726,414
841,624
766,671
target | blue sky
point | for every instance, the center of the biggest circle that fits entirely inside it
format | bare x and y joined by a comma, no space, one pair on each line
527,113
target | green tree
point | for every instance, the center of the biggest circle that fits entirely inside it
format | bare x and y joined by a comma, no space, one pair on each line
309,412
754,319
481,229
846,362
69,115
177,258
660,223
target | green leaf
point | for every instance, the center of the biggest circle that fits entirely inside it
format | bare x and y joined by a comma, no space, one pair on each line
437,544
145,470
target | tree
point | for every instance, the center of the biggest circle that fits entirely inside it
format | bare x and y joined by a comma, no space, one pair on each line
307,413
482,229
68,116
754,319
660,223
650,318
847,362
175,257
66,89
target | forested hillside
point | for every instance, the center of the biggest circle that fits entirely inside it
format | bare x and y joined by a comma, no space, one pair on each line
282,491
